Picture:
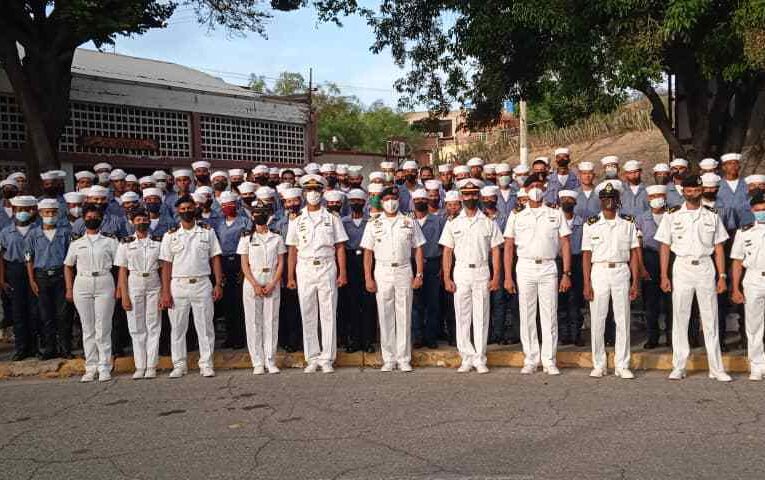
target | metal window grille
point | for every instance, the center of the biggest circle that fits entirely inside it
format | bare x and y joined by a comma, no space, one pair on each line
12,131
225,138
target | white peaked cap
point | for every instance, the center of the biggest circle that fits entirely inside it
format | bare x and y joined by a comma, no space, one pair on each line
419,193
567,194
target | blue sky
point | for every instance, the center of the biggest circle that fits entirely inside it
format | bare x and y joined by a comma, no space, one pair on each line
296,42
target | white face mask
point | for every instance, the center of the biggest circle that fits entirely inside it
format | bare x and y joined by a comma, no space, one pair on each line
504,181
75,212
657,202
162,185
520,180
313,198
49,220
390,206
535,194
103,177
611,172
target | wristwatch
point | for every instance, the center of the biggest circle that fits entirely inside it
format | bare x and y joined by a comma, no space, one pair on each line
723,275
568,274
419,275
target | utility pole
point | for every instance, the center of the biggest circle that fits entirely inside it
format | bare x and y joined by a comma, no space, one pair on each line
312,120
524,145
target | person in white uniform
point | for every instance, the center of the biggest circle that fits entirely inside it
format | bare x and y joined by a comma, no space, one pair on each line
538,232
262,255
749,252
389,242
471,240
693,233
92,292
316,241
190,253
610,264
139,285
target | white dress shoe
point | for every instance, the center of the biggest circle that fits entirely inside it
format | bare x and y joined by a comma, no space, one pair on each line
207,372
272,368
138,374
259,370
88,377
529,369
464,368
755,376
327,368
624,373
482,368
177,372
150,373
552,370
387,367
677,374
104,376
311,367
405,367
597,373
721,377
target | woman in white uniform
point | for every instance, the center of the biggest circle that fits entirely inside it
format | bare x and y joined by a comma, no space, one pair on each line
139,285
262,254
93,293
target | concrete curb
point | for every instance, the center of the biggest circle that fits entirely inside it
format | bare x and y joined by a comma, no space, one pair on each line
445,358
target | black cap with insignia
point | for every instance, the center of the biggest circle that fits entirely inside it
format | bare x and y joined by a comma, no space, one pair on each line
608,191
534,178
692,181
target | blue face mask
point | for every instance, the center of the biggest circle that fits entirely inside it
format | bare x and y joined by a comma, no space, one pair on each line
23,216
759,216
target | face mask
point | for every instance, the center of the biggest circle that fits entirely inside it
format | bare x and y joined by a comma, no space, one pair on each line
390,206
220,186
504,181
261,180
23,217
161,185
411,178
50,191
611,172
357,207
470,203
433,202
229,210
521,180
313,198
657,203
187,216
103,177
296,209
354,184
259,219
563,162
491,205
567,207
535,194
421,206
142,227
661,179
389,177
203,178
75,212
93,223
712,196
678,175
332,182
49,220
334,208
235,185
153,207
98,206
759,216
400,182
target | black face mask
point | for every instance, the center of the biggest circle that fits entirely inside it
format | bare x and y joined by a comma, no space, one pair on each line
564,163
8,194
261,180
98,206
51,192
357,207
153,207
334,208
295,209
433,202
220,186
273,183
93,223
712,196
567,207
235,185
411,178
142,227
679,175
399,182
470,203
332,181
203,179
187,216
421,206
354,184
491,205
259,219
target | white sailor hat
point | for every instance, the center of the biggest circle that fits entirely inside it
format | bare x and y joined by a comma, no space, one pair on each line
375,188
84,174
502,167
632,165
609,159
264,193
159,175
445,167
117,174
333,196
49,175
313,180
200,197
420,193
585,166
387,165
562,151
151,192
59,173
282,187
97,191
298,171
461,170
355,170
260,170
130,196
433,184
522,194
376,176
9,183
543,159
293,192
679,162
131,178
656,189
489,191
205,190
312,168
182,172
661,168
274,171
730,157
409,165
200,164
47,203
74,197
708,164
475,162
710,180
227,197
489,168
342,169
567,194
24,201
327,168
236,172
219,174
357,194
754,179
521,169
452,196
102,166
148,179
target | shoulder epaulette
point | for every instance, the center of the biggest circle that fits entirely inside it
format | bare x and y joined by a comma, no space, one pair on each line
275,231
172,229
156,238
673,209
629,218
552,205
203,225
76,236
711,209
593,219
519,208
744,228
246,233
128,239
108,235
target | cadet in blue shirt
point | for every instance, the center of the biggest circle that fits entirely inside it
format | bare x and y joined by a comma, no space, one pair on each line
733,191
14,279
587,202
160,217
112,225
46,247
357,307
633,199
563,178
678,170
507,196
570,303
426,305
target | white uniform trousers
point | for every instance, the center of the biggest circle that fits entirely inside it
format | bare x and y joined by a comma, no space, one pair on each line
317,293
144,320
261,320
538,281
471,307
610,284
94,300
689,278
196,297
394,309
754,291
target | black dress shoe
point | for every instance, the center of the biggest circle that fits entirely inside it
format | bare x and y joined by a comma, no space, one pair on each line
19,356
579,342
452,343
566,341
66,355
417,345
432,345
651,344
505,341
370,349
289,349
48,355
351,349
724,347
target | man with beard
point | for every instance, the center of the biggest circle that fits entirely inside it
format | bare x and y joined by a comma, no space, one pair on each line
678,171
446,175
563,178
201,173
633,198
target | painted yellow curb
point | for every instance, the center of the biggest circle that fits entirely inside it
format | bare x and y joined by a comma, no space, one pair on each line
420,358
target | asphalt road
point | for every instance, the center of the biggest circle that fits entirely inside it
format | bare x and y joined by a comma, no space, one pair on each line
433,423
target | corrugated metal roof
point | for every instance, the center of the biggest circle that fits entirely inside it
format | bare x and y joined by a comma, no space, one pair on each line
118,67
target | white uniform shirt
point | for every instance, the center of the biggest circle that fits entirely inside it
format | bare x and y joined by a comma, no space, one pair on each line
262,250
392,238
315,234
537,231
749,247
140,255
610,240
691,233
189,251
92,253
471,238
